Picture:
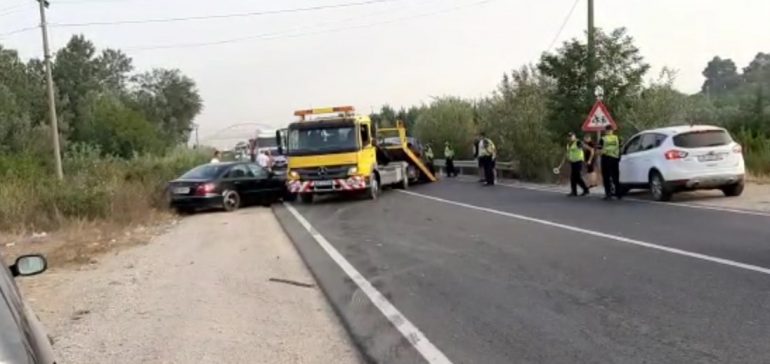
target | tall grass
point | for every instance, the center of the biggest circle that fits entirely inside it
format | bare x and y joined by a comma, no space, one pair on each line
95,187
756,149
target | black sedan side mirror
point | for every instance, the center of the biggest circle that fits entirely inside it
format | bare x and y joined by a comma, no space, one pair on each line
29,265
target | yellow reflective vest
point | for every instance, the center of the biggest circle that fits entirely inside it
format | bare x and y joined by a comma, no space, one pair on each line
574,152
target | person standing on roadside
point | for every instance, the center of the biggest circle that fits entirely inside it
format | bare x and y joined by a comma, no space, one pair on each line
215,158
429,156
575,157
477,157
610,149
589,155
264,160
487,156
449,157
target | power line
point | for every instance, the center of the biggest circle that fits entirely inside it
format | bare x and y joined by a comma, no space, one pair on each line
223,16
287,34
563,24
20,30
14,9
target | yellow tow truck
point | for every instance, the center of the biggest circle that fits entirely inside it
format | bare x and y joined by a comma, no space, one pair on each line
334,150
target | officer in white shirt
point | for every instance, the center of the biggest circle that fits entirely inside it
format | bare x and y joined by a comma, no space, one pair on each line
264,160
215,159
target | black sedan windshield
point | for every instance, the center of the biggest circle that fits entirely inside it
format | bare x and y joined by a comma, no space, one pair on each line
206,171
322,140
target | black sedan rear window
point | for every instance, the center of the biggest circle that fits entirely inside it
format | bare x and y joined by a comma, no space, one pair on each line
701,139
206,171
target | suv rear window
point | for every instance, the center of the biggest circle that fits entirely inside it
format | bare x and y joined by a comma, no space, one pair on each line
701,139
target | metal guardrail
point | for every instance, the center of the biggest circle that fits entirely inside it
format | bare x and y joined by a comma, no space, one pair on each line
508,168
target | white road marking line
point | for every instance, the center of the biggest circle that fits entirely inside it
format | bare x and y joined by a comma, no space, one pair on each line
412,334
675,204
622,239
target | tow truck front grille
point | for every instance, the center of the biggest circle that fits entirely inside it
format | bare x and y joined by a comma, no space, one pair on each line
323,173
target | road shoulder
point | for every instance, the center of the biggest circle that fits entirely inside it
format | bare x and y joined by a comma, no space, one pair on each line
216,288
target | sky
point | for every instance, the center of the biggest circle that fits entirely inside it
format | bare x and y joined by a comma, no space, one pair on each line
397,52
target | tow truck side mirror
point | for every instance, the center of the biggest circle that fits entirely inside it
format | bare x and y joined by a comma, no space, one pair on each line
278,141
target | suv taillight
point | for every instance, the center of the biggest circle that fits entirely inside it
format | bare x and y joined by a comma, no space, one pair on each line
737,149
205,189
674,154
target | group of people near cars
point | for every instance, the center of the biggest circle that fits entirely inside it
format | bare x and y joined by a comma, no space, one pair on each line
263,159
582,156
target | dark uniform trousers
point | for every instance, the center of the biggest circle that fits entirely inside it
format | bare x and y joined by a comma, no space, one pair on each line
611,175
575,178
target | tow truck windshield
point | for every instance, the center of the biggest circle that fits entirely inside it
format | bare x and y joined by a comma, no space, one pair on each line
306,141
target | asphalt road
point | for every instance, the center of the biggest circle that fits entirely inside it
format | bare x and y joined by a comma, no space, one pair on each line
505,275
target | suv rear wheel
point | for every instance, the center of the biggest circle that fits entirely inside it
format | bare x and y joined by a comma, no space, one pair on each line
733,190
658,188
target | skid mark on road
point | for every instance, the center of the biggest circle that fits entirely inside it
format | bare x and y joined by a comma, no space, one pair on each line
618,238
413,335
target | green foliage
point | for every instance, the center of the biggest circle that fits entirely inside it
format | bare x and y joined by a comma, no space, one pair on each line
447,119
95,187
620,69
515,117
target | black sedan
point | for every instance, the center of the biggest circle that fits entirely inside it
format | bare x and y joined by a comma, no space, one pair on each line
23,338
225,185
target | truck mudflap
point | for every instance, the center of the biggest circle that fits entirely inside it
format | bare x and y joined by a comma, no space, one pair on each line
333,185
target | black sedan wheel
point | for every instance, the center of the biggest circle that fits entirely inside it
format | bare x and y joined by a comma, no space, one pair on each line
231,201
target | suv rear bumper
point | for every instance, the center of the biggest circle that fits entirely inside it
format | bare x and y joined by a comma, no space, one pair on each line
707,182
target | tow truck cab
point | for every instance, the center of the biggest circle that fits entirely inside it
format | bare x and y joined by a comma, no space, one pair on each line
330,150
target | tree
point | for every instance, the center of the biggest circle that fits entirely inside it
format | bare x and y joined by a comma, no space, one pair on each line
169,100
447,119
113,68
721,76
620,71
515,117
119,130
758,71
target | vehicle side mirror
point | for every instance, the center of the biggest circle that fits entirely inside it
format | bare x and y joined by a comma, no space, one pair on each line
29,265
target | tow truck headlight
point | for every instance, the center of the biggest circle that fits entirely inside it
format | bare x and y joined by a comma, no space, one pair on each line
293,175
352,171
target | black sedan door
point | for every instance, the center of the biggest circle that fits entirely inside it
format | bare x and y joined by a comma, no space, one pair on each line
242,179
270,186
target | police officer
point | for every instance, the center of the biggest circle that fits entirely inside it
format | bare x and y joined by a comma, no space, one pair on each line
429,158
610,149
487,156
575,157
449,157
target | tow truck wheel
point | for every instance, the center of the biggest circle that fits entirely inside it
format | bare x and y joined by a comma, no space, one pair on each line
374,187
306,198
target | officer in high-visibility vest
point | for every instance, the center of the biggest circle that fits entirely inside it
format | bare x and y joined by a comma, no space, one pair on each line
487,156
429,158
610,149
575,157
449,157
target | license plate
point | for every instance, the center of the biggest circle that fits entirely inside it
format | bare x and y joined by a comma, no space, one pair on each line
181,190
324,183
710,158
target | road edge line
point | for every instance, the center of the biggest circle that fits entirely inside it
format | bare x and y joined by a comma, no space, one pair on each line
409,331
619,238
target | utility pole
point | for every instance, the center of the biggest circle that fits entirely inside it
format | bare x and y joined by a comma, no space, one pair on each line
51,97
197,144
591,48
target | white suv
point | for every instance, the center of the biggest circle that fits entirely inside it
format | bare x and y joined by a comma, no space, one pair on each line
679,158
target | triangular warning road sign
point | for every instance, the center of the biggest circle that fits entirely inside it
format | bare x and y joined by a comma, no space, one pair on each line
599,118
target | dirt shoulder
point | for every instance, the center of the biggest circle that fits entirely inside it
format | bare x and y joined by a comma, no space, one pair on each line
199,293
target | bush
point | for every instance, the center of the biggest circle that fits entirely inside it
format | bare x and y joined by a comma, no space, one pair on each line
120,190
756,149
